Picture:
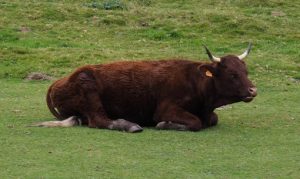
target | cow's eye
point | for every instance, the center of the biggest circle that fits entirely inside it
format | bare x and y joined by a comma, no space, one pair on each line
234,76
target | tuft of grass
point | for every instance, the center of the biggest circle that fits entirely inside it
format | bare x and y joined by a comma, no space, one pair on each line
161,34
8,35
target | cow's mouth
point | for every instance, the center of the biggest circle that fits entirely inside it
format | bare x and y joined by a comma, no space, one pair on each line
248,99
252,93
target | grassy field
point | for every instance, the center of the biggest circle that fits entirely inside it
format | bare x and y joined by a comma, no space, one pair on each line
254,140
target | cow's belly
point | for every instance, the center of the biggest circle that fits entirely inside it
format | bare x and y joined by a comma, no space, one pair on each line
135,109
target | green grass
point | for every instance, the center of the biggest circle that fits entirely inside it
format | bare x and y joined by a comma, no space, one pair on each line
254,140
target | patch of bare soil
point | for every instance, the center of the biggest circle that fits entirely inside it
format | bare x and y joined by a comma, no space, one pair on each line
24,29
277,13
36,76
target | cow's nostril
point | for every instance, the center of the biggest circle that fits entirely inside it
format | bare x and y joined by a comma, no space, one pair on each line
253,91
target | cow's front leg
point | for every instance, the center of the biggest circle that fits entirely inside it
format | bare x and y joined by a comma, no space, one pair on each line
210,120
173,117
213,119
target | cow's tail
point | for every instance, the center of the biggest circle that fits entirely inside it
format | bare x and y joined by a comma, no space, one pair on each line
50,105
69,122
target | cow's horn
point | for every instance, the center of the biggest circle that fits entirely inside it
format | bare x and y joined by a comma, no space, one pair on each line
211,57
244,55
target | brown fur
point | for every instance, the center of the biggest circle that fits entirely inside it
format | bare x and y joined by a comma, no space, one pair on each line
148,92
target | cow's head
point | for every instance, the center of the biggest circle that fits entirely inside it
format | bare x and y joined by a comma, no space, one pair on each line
230,76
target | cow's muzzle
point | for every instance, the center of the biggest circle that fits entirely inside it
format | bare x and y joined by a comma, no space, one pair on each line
252,93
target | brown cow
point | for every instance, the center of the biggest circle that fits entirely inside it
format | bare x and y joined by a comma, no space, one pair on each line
168,94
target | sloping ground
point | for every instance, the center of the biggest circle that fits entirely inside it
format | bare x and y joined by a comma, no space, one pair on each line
255,140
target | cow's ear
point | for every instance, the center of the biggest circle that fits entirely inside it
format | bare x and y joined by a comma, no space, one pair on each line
207,70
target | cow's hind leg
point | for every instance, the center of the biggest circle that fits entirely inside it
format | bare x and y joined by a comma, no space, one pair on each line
92,107
123,125
99,120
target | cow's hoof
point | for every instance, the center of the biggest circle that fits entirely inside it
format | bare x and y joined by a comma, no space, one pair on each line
161,125
123,125
135,128
171,126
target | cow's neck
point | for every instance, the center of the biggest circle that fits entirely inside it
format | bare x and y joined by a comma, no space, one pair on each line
212,98
221,101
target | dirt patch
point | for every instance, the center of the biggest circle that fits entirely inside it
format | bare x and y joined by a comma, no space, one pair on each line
36,76
24,29
295,80
277,13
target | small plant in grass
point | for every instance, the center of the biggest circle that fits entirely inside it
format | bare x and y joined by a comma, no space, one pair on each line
113,4
144,2
107,5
